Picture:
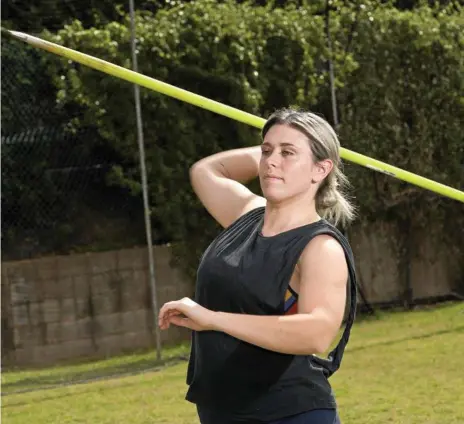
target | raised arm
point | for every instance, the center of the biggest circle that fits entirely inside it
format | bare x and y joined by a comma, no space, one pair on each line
218,181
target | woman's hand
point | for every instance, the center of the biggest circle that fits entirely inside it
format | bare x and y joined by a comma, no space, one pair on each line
186,313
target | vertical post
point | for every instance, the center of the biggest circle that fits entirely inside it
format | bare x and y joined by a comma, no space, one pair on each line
407,259
331,67
144,186
336,125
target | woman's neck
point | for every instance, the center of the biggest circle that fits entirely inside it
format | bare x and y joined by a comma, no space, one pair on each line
288,215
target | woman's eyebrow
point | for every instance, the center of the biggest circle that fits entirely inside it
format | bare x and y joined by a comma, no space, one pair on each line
284,144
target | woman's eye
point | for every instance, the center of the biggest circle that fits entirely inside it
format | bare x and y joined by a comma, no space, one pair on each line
286,153
265,152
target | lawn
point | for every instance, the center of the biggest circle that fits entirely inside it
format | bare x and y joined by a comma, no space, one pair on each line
400,367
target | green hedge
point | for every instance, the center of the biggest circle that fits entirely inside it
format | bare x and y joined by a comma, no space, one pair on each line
399,84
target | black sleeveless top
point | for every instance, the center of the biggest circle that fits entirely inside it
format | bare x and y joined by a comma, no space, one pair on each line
244,272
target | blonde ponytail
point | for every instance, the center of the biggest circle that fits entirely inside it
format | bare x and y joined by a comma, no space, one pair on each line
331,201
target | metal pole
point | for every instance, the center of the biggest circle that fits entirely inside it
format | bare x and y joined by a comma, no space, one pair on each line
337,124
144,186
331,67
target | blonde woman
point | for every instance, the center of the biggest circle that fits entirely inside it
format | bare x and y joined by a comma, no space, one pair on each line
272,288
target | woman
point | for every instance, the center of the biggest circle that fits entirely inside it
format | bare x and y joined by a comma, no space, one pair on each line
272,287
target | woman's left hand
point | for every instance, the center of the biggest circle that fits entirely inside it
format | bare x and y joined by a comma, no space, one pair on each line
186,313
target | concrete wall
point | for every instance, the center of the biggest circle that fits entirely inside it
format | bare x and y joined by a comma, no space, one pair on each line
429,269
99,304
94,304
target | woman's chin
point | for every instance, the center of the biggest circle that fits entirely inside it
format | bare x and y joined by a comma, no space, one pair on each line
276,196
273,196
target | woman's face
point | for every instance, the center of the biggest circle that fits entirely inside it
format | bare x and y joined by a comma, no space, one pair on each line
287,168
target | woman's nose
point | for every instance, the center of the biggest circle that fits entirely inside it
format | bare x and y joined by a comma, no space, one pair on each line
272,159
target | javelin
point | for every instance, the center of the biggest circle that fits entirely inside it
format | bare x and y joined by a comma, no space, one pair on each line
228,111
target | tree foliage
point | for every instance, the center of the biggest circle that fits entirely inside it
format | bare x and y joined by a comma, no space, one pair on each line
399,79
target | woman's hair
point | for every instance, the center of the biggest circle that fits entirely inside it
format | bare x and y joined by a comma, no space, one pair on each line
331,201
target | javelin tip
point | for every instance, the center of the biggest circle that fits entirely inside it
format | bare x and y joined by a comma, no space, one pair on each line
15,34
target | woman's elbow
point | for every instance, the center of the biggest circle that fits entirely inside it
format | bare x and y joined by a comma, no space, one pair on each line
319,348
204,168
322,343
199,172
196,167
312,347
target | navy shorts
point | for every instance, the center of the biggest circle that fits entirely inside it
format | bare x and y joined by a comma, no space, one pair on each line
317,416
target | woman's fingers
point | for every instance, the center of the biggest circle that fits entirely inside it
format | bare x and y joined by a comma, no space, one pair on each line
177,318
166,311
166,315
184,312
183,321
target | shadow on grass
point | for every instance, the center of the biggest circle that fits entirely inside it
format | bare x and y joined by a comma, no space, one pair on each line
74,394
80,377
385,311
405,339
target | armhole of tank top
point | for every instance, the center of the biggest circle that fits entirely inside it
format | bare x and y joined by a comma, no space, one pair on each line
292,292
290,301
350,307
292,296
332,231
331,364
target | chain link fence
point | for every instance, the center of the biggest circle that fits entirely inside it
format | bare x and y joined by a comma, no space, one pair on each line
75,266
55,195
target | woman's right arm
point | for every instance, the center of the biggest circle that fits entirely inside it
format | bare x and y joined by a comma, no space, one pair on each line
218,181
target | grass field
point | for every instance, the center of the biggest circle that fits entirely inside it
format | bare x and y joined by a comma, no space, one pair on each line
402,367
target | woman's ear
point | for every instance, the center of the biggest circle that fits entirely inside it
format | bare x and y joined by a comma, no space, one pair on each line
321,170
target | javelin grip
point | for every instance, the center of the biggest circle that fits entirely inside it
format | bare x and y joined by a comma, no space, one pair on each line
224,110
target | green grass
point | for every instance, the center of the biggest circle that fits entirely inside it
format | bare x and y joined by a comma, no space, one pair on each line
17,381
402,368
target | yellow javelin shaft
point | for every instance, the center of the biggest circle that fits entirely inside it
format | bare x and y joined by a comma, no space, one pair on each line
228,111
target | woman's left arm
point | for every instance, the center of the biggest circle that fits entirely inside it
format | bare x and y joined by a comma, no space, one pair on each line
321,306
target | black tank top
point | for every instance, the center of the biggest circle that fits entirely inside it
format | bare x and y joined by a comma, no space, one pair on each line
244,272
